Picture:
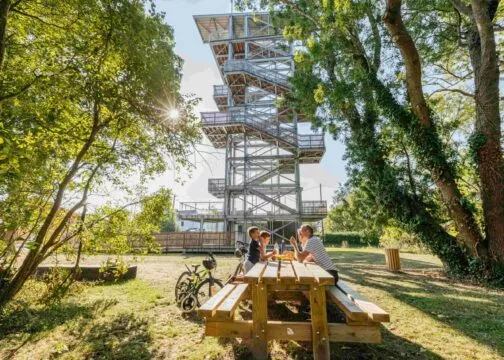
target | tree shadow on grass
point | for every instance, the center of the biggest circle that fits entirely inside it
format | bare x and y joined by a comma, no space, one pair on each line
470,310
126,337
30,321
376,259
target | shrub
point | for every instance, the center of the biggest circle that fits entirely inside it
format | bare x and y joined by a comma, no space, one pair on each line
354,239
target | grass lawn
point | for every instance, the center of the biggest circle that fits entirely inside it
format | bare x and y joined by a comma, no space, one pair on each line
431,317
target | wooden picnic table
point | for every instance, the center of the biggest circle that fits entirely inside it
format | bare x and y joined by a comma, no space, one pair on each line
287,280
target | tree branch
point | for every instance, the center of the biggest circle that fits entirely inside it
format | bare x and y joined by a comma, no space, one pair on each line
462,8
297,9
20,12
376,38
459,91
20,91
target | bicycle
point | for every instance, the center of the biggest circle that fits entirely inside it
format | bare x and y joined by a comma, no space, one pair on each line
194,288
240,252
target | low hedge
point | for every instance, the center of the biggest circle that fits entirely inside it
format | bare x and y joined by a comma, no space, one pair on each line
354,239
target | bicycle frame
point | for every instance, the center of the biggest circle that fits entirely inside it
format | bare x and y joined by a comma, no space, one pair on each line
197,277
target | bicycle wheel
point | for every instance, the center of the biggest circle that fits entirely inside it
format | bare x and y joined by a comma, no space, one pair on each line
188,304
181,284
206,290
183,289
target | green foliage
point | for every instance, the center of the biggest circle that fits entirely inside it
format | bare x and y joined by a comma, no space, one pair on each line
394,237
120,231
354,239
84,94
356,212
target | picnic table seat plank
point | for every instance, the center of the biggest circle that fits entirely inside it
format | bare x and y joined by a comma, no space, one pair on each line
374,312
322,277
287,273
350,309
304,276
209,308
254,274
228,306
270,275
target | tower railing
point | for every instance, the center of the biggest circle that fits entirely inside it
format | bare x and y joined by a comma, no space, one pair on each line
216,187
314,208
220,90
254,69
216,118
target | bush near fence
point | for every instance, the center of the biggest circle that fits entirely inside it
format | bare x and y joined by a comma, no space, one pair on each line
354,239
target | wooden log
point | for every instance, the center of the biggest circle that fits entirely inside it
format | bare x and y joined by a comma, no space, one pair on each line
320,330
260,320
89,272
392,259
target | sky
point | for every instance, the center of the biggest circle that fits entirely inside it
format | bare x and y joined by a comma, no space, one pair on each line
200,73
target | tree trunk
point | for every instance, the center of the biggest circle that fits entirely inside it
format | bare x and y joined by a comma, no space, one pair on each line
35,256
428,138
486,139
4,15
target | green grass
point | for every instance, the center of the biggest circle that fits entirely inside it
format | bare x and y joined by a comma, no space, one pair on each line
431,317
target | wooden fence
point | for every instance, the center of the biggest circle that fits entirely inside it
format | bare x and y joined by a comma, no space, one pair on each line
173,241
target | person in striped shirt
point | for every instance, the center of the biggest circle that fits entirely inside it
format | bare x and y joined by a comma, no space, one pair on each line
313,250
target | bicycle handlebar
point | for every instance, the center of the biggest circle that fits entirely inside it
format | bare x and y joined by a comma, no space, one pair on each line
243,244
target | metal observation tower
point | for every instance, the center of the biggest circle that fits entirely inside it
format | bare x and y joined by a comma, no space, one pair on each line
263,149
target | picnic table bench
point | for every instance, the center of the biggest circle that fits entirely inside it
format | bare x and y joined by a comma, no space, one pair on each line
287,280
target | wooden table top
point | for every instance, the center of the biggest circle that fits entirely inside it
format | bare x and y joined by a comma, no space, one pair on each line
288,272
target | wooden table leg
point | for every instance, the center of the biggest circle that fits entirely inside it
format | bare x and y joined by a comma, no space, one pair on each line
260,320
320,329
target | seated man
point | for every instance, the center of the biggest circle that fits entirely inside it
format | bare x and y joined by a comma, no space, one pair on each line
313,250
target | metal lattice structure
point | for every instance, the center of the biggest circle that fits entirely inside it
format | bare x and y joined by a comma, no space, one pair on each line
263,149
